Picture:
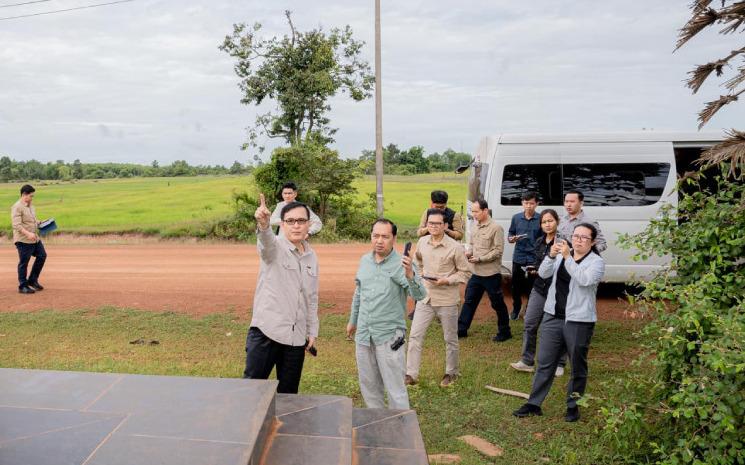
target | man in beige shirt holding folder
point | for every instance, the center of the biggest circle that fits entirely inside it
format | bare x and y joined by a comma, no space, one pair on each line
27,242
444,267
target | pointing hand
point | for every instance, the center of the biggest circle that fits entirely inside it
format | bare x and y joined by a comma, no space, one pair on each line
262,213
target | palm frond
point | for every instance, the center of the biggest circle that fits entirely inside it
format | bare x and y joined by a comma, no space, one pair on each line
714,106
734,15
731,84
700,20
731,150
702,72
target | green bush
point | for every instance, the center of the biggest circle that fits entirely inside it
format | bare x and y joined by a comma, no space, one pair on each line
691,409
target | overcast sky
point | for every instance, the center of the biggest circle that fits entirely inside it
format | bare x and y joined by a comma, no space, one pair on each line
144,80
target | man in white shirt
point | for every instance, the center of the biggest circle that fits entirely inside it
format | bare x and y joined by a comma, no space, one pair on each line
289,195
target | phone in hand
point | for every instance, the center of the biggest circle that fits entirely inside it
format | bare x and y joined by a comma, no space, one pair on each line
429,278
407,249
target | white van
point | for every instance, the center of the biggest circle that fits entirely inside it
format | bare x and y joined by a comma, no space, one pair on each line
625,178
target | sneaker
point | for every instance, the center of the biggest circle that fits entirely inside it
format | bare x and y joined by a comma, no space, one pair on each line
515,314
26,290
559,371
572,414
502,337
409,381
522,366
528,410
447,380
36,286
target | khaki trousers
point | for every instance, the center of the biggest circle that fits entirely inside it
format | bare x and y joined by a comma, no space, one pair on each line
423,316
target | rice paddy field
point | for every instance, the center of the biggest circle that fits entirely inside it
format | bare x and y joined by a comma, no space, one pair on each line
183,206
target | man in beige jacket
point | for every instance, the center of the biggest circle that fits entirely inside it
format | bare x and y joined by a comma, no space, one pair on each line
27,242
444,267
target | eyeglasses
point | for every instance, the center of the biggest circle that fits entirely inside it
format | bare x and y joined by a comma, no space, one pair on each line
292,221
432,223
577,237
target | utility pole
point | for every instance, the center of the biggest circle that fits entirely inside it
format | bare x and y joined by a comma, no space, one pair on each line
378,117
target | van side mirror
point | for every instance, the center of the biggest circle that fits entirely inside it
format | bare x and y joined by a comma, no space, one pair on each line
462,167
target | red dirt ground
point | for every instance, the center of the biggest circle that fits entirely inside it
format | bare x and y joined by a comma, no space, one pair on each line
193,278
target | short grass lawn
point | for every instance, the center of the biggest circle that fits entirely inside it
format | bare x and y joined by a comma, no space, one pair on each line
214,346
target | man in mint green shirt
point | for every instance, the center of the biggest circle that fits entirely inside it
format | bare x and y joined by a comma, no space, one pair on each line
384,280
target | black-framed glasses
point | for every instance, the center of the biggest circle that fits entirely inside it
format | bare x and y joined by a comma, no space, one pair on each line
578,237
292,221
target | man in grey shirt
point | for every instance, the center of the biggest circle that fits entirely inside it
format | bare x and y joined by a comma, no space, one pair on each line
284,324
573,203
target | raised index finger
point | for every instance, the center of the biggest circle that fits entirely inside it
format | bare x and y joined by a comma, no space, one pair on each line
262,200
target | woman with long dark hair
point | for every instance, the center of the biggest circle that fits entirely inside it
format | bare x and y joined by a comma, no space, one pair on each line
569,317
549,221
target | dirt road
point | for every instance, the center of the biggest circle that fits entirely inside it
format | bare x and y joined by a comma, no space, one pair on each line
193,278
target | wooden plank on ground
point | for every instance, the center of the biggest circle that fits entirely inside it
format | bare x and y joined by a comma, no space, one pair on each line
508,392
482,445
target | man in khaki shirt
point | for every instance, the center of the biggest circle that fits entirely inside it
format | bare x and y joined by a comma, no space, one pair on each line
484,252
454,226
27,242
284,323
444,267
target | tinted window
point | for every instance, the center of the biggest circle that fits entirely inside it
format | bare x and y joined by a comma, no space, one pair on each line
617,184
603,184
543,179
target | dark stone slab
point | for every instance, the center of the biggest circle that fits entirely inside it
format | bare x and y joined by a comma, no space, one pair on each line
329,416
70,445
363,416
20,423
308,450
378,456
132,449
288,403
61,417
52,389
397,431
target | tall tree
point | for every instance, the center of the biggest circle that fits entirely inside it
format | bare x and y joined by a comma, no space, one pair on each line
300,72
731,14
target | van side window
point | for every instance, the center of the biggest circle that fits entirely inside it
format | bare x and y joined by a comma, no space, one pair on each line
545,179
603,184
617,184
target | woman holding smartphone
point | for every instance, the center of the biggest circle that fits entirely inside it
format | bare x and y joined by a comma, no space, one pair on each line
549,221
569,317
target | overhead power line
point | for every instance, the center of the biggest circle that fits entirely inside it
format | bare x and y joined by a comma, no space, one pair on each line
24,3
66,9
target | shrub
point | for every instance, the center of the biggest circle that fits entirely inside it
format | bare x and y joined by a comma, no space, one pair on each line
691,409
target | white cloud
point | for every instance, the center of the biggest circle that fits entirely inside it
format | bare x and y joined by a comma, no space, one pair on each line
144,80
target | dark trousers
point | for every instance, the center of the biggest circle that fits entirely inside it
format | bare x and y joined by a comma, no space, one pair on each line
558,336
533,317
25,252
522,283
262,354
474,292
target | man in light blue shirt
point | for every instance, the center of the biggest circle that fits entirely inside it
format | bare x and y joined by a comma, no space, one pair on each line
383,282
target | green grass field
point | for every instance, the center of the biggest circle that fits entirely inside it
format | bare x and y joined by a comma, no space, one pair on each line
146,205
185,205
214,346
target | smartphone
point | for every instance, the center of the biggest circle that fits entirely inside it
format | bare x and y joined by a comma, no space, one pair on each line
429,278
520,236
407,249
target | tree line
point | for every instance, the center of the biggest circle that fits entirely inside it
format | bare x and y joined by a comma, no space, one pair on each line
396,161
12,170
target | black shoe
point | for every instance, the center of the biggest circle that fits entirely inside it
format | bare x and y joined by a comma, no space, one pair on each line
36,286
528,410
572,414
502,337
462,334
515,314
26,290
